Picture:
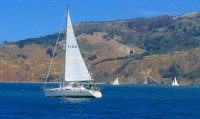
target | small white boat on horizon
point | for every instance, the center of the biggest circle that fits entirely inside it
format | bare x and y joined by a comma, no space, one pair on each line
175,83
116,81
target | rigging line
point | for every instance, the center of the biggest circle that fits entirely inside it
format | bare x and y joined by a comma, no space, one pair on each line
62,22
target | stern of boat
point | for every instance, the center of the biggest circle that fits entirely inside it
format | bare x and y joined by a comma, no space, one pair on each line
96,94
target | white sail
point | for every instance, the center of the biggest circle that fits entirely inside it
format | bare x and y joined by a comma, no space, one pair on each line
116,81
145,81
175,83
172,82
75,68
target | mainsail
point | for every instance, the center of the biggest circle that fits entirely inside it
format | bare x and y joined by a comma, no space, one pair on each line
75,68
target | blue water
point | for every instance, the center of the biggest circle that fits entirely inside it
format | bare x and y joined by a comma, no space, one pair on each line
23,100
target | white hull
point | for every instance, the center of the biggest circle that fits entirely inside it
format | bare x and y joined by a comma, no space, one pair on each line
75,93
115,84
175,85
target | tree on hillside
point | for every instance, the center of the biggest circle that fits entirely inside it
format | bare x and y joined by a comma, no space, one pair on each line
21,44
174,71
5,42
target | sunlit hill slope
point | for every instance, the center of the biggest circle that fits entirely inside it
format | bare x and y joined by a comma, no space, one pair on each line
160,47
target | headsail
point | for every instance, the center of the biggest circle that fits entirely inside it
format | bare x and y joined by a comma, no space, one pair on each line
116,81
175,83
75,68
172,82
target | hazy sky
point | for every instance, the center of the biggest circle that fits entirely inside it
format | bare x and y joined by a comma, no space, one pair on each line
20,19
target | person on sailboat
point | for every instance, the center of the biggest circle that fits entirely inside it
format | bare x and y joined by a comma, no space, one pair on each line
90,87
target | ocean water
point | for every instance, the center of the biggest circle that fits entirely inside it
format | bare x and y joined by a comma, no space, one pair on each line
27,101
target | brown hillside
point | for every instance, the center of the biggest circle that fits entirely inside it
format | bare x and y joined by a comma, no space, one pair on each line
161,48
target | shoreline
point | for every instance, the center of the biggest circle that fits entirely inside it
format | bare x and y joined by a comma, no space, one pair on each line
38,82
23,82
90,83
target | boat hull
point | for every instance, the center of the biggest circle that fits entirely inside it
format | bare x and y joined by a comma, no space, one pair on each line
59,92
115,84
175,85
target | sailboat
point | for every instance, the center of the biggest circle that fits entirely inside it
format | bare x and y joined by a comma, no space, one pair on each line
75,71
116,81
175,83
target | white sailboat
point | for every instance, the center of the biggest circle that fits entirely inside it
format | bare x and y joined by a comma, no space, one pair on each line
116,81
175,83
75,71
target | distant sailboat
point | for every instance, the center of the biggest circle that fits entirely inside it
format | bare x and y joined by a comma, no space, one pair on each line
175,83
145,80
116,81
150,80
75,71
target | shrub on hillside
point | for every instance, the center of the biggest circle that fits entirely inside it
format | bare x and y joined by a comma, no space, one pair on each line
173,71
50,52
93,57
23,56
194,74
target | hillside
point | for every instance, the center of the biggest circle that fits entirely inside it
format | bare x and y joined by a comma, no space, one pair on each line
159,47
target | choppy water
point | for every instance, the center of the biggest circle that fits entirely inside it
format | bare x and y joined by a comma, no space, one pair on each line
24,100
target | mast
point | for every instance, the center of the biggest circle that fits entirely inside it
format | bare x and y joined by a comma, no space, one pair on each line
65,65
